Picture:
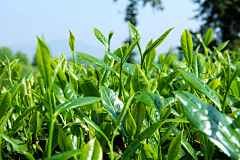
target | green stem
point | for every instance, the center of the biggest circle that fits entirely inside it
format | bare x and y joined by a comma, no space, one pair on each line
52,119
74,62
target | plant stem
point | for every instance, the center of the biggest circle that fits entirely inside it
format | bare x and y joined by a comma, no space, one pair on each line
52,119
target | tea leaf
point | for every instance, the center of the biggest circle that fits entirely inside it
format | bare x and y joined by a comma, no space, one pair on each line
43,61
175,146
139,82
218,127
5,102
208,37
100,37
92,151
187,46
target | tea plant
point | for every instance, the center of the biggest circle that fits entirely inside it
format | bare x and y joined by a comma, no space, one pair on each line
112,109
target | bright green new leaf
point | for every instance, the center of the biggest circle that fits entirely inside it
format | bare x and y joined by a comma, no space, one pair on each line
139,81
130,125
43,61
187,46
208,37
35,122
92,151
175,146
66,155
62,140
71,40
5,102
156,43
148,153
100,37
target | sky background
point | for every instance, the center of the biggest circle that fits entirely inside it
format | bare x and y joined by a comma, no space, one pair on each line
21,21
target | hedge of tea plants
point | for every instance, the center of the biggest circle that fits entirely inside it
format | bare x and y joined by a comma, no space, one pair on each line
112,109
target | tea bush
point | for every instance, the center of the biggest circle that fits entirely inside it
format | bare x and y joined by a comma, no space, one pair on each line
112,109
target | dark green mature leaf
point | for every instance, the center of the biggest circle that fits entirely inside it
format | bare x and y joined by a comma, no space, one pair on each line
43,61
17,147
87,87
35,122
157,42
139,81
5,102
187,46
218,127
96,61
208,37
175,146
92,151
71,40
150,99
128,68
62,140
66,155
75,103
100,37
199,85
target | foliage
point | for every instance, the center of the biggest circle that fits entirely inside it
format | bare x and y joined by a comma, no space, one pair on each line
223,17
112,109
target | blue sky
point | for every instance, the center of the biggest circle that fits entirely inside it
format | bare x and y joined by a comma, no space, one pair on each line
21,21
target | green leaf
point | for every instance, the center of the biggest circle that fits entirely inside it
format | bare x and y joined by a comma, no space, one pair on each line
62,140
187,46
26,75
128,68
71,40
150,99
75,103
21,117
149,59
57,71
148,153
133,32
157,42
169,78
43,61
35,122
5,102
198,65
199,85
185,143
130,124
96,61
63,89
139,113
87,87
92,151
219,48
17,147
66,155
218,127
100,37
208,37
139,81
175,146
90,122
